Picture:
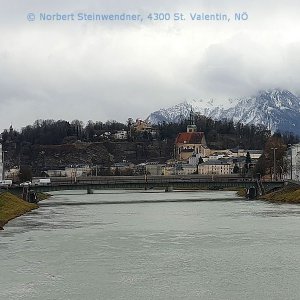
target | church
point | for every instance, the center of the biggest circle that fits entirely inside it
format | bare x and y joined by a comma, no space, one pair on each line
191,143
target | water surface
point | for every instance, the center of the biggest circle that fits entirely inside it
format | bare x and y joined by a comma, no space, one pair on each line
124,245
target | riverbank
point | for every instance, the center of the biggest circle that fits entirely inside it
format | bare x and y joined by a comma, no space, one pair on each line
12,206
241,192
288,194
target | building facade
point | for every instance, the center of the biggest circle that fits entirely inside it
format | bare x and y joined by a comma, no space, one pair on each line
154,168
293,165
121,135
1,163
217,167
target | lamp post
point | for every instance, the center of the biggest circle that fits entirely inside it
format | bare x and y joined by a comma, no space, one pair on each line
274,158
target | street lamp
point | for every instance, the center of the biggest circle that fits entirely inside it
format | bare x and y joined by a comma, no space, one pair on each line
274,158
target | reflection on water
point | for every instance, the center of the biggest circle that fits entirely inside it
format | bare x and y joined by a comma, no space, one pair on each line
146,247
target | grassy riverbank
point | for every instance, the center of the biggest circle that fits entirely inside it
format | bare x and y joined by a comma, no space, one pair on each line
241,192
11,207
288,194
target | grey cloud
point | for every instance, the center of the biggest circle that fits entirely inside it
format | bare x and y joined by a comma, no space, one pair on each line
242,65
99,72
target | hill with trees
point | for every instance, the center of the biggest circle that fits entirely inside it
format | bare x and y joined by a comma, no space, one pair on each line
56,144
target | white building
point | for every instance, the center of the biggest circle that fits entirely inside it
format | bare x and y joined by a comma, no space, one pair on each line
154,168
56,173
216,156
179,168
121,135
168,170
293,157
255,154
194,159
1,163
187,169
12,173
217,167
73,172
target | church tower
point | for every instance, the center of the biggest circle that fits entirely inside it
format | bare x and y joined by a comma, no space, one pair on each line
192,127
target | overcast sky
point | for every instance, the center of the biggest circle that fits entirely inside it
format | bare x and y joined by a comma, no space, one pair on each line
113,70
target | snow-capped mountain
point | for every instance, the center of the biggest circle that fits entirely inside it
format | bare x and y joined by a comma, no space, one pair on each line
182,110
276,109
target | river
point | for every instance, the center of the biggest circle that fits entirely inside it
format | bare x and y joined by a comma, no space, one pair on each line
137,245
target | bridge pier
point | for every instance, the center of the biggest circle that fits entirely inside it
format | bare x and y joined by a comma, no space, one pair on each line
169,189
90,190
251,192
29,195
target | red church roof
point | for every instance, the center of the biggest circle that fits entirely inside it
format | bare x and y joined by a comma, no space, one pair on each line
190,138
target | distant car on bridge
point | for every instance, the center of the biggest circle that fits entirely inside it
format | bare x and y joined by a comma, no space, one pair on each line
6,183
26,183
41,181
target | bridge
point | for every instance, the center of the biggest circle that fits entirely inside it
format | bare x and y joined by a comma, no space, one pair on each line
157,182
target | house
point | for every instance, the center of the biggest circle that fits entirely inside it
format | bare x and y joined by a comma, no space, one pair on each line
122,168
140,169
72,171
77,171
222,153
194,159
255,154
121,135
168,170
186,169
237,161
171,167
215,156
12,173
179,168
154,168
143,129
54,173
215,167
142,126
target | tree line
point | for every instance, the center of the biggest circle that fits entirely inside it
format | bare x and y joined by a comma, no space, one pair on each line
221,134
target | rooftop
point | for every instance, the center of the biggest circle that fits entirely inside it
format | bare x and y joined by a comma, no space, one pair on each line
190,138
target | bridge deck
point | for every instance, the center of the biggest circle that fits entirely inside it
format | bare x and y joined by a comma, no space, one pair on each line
152,184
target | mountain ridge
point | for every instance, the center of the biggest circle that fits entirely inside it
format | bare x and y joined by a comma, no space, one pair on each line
276,109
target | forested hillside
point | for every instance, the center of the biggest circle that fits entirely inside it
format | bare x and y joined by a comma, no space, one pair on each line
49,143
